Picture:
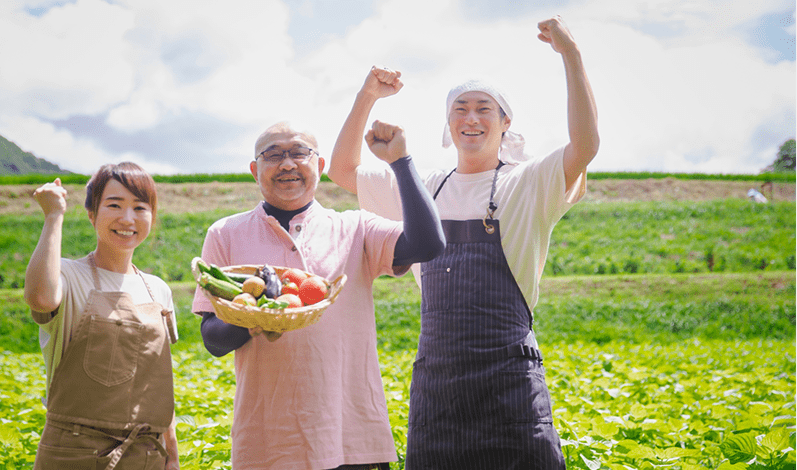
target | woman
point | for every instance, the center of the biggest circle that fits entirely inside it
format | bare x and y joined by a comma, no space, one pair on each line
105,332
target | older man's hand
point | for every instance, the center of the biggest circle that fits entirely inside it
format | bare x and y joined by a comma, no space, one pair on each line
270,335
386,141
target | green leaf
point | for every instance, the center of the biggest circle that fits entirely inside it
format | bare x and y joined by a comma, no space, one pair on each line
674,453
9,435
642,452
594,464
732,466
605,430
740,447
777,439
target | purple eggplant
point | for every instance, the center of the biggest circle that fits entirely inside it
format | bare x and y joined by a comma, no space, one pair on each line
273,283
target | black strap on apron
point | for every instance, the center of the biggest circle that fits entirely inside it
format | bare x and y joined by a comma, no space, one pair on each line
493,205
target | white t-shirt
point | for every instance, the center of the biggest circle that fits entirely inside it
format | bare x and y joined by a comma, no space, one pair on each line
531,198
55,332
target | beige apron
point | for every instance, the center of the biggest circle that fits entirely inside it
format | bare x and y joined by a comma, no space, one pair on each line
111,396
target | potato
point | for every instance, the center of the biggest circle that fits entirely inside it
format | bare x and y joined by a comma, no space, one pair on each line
245,299
254,286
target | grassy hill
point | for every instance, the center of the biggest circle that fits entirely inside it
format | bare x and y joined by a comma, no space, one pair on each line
14,161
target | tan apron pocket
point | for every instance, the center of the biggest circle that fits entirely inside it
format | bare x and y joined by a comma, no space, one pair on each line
112,350
59,458
155,461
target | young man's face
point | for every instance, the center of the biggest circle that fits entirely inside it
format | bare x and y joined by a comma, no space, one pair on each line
288,183
477,124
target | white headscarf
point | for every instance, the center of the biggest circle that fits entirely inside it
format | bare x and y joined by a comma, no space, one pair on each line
512,143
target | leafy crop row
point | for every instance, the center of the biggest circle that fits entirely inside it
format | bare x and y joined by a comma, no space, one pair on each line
75,178
673,237
629,389
698,404
601,238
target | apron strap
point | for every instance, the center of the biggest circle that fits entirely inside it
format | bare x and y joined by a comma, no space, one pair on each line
492,206
117,453
94,273
126,442
168,323
442,183
523,350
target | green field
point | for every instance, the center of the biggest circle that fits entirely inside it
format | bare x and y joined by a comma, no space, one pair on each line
598,238
668,331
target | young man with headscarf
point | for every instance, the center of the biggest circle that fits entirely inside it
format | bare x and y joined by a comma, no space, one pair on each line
478,397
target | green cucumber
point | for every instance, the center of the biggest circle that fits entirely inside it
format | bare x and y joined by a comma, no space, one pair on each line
216,272
239,278
202,266
219,288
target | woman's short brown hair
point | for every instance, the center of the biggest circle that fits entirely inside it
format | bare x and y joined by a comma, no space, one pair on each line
132,177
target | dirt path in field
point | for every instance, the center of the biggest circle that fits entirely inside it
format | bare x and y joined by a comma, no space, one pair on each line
200,197
672,189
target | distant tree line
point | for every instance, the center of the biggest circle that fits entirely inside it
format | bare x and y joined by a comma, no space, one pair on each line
784,163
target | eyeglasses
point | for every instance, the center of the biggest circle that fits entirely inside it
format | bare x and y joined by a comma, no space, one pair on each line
297,154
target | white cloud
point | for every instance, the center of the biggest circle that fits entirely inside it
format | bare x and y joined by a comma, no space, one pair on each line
677,86
71,63
664,104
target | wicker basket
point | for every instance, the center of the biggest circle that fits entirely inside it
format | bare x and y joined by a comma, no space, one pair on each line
266,318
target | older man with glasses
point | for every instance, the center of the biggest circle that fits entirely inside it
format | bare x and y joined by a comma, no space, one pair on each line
313,398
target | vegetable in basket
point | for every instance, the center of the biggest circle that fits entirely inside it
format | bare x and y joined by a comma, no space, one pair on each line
220,288
216,272
273,284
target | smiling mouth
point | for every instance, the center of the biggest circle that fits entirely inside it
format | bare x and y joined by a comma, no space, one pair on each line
472,133
288,179
125,233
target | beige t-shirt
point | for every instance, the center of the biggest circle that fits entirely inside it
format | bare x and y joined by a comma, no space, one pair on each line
531,199
56,331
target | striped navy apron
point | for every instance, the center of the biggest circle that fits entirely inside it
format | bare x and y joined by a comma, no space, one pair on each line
478,398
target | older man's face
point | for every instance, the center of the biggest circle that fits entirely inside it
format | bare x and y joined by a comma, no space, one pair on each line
287,184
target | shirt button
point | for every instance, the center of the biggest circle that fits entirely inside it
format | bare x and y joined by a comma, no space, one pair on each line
448,270
298,228
119,322
293,248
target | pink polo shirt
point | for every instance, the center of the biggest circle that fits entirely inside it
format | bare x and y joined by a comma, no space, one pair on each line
314,398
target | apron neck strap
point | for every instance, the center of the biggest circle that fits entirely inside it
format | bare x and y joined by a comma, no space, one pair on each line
491,208
96,276
442,183
94,273
492,192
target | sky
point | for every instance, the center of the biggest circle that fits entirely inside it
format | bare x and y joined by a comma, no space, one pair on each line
186,86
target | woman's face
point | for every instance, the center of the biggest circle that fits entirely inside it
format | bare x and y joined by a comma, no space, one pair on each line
122,221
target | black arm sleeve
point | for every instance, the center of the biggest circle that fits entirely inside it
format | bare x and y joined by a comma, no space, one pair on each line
423,237
220,338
